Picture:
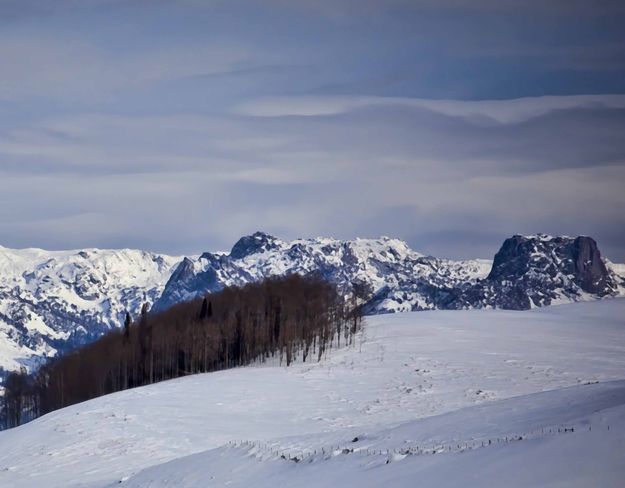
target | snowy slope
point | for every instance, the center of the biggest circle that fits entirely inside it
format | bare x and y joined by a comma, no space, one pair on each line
52,300
571,437
619,272
428,380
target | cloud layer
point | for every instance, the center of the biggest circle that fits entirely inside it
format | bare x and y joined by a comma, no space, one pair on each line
179,126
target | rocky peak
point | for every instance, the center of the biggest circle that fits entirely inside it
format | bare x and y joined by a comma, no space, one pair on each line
183,271
256,243
577,257
535,270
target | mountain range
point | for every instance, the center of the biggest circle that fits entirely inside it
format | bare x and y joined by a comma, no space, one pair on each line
54,301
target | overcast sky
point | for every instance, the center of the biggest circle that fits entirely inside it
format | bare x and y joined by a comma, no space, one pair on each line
178,126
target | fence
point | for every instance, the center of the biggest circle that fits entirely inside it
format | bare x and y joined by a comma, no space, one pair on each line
267,450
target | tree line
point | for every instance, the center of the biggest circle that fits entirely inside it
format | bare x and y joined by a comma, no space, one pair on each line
281,318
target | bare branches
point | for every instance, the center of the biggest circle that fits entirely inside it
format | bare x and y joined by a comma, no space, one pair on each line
282,318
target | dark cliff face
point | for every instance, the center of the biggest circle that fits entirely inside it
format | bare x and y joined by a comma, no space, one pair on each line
511,261
590,271
248,245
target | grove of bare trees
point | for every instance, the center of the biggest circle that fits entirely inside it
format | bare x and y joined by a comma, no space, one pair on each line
279,318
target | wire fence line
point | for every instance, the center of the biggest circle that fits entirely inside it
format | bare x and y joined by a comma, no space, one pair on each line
268,450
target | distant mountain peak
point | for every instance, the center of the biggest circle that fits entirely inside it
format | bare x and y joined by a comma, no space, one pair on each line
253,244
538,270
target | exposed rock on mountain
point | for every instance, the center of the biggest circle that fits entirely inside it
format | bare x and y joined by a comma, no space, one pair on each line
398,277
534,271
527,272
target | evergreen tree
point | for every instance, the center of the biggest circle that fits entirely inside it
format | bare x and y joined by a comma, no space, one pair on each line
127,323
204,311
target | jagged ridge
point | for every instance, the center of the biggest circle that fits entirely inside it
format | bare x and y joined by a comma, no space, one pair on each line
528,271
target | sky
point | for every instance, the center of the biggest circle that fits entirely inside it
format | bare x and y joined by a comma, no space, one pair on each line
178,126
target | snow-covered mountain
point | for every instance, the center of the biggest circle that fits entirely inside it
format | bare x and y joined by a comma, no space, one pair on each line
51,302
396,277
528,271
534,271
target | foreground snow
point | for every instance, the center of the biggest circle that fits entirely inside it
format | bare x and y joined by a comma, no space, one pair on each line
415,383
528,447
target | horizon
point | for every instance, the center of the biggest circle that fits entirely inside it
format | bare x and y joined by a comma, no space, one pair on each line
198,253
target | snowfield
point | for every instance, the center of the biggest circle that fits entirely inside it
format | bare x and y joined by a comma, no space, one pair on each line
441,398
51,301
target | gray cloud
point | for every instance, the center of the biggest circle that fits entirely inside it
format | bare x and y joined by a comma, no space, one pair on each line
179,126
484,111
418,174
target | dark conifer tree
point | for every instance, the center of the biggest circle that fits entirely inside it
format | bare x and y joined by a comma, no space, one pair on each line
204,311
127,323
145,344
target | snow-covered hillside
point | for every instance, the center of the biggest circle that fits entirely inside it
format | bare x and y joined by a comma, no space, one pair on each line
413,384
52,300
